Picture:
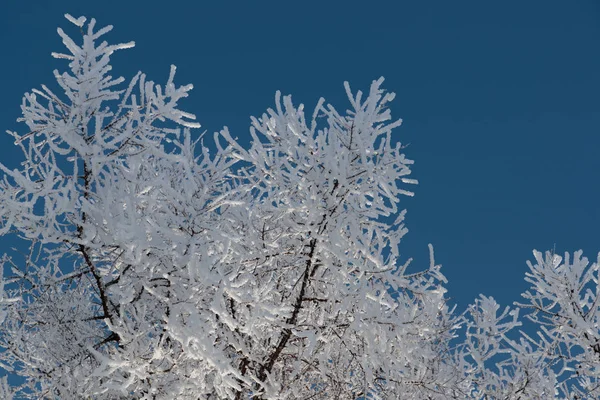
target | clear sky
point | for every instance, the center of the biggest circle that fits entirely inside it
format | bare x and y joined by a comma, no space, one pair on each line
500,102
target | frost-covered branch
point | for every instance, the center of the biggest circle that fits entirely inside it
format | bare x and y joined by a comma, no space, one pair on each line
160,269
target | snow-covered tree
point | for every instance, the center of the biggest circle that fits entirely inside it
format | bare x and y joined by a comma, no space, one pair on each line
156,269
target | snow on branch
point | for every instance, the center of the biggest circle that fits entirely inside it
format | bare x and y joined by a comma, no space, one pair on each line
158,269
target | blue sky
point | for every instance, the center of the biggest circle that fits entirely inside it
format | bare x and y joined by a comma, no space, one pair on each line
500,102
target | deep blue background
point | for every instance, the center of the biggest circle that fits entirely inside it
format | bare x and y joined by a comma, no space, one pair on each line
499,100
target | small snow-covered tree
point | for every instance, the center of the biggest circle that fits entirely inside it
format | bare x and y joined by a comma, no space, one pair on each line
158,270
